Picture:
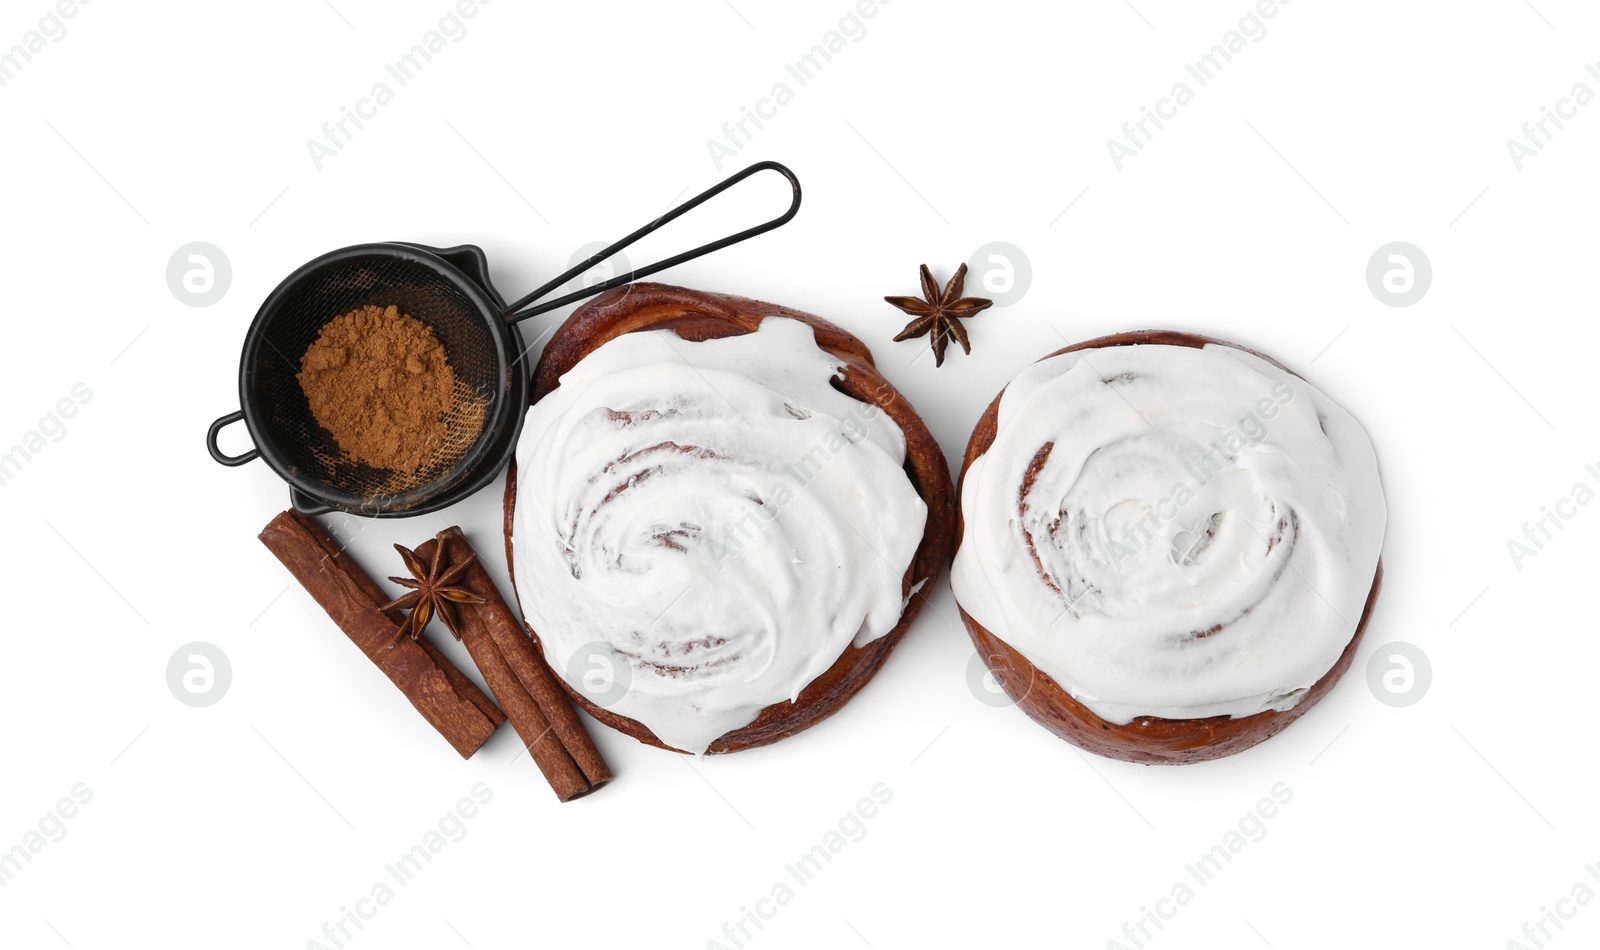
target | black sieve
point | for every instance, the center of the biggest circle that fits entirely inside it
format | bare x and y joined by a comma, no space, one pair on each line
448,290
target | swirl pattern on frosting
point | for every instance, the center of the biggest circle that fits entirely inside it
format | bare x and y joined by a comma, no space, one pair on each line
713,517
1171,531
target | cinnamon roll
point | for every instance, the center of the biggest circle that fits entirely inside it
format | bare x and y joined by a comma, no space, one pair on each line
720,516
1168,545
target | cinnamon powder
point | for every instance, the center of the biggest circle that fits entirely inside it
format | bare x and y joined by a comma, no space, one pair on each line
380,382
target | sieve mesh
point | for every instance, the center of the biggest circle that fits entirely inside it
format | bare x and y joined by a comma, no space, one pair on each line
418,290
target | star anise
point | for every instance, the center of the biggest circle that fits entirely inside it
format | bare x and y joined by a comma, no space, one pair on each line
940,314
432,592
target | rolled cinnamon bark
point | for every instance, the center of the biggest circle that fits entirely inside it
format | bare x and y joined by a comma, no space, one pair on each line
445,696
517,676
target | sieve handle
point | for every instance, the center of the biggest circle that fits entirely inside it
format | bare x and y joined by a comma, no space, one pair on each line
516,312
222,457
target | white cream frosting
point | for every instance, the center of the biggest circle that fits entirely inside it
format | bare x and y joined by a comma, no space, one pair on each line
712,521
1199,540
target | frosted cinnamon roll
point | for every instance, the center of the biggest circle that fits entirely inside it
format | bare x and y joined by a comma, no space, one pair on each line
1168,546
722,509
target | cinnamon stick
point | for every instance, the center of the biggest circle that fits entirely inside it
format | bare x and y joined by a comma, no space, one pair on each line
519,678
444,695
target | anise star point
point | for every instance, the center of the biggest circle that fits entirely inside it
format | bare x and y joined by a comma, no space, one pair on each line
432,592
939,314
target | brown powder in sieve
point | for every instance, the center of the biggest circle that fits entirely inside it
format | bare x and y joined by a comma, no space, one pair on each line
379,381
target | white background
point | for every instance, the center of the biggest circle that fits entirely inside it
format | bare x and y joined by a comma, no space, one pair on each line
1251,216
